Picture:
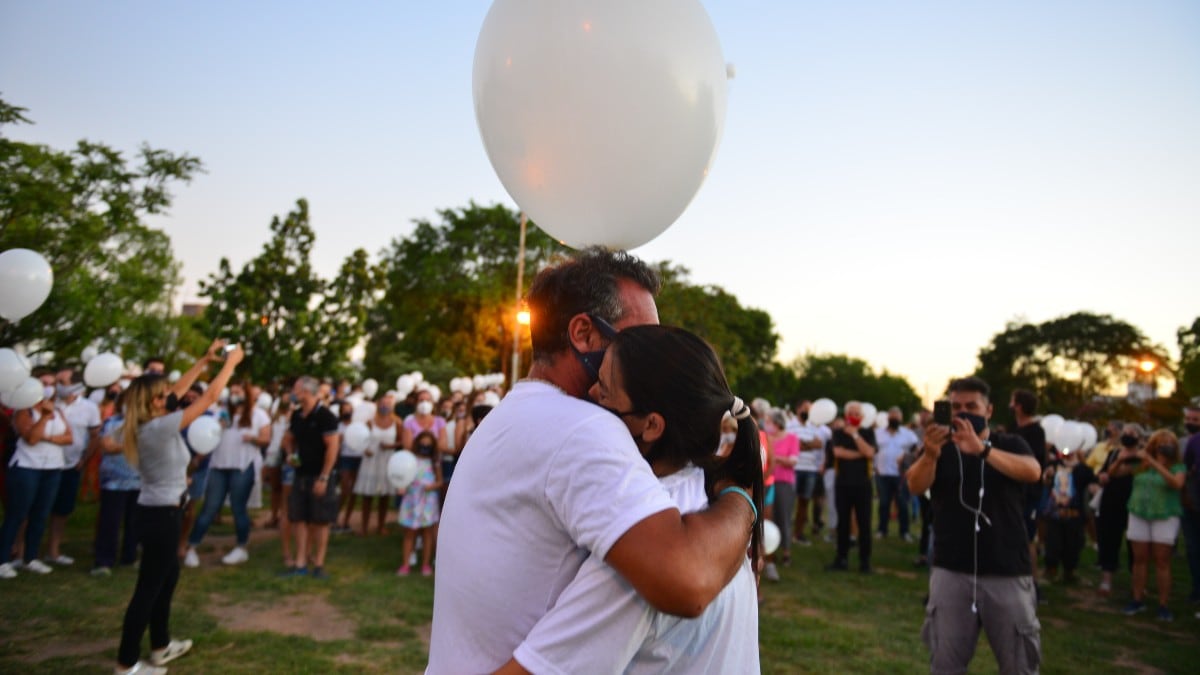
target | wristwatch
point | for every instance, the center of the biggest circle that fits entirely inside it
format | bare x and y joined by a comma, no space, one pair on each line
324,478
987,449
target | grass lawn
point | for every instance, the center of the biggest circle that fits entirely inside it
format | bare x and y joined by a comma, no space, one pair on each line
365,619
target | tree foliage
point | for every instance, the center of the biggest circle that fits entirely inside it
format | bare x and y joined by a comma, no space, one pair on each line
289,320
846,378
1067,361
1187,377
83,210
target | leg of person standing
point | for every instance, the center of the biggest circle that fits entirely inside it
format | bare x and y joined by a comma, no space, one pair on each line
785,500
886,486
214,499
129,539
1008,612
1190,524
861,499
842,498
157,576
904,506
22,486
108,530
39,511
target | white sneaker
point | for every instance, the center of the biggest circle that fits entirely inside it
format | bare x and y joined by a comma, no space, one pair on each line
173,650
770,572
8,571
140,668
39,567
190,559
236,557
63,560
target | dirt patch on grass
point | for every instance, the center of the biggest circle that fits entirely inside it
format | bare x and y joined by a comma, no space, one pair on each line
307,616
1126,660
902,574
53,649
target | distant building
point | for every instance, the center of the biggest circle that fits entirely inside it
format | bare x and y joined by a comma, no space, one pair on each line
193,309
1140,392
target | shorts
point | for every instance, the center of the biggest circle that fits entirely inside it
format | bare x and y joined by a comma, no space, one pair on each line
1161,531
287,474
305,507
806,484
349,464
769,496
68,490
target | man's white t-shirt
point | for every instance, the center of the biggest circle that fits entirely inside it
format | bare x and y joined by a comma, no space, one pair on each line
601,625
83,416
810,459
892,447
545,480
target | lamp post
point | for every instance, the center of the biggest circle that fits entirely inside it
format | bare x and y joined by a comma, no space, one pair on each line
516,356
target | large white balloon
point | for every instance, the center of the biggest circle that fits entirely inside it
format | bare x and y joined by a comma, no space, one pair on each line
203,434
264,401
25,282
601,117
771,537
823,411
356,436
370,387
881,419
1070,436
362,412
404,385
26,394
13,369
103,370
88,354
402,469
1089,435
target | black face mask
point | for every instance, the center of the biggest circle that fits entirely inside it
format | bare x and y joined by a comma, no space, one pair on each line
978,422
804,416
893,424
1129,440
1192,428
424,449
172,402
111,395
591,360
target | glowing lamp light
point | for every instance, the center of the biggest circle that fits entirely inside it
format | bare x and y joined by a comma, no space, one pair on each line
263,320
523,317
1147,366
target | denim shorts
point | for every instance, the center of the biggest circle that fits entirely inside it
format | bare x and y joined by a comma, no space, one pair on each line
806,484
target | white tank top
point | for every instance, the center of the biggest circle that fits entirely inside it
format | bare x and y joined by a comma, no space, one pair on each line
43,454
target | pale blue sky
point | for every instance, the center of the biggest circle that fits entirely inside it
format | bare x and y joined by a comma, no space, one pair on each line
896,180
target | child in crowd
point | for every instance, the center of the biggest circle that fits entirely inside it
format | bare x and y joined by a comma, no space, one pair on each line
420,509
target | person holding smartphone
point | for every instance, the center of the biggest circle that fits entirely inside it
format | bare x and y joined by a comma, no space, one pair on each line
981,575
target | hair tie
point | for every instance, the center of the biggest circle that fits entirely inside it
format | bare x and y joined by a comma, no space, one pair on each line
738,409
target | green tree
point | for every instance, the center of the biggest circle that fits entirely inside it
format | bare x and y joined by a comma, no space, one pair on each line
83,210
1067,361
1187,378
288,319
846,378
450,291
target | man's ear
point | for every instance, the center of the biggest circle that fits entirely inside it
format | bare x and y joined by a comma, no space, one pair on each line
580,332
655,426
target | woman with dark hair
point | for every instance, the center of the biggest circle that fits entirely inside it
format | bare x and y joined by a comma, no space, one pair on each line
1116,480
153,444
669,388
231,474
1154,512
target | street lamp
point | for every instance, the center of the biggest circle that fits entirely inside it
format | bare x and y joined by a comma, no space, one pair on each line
516,358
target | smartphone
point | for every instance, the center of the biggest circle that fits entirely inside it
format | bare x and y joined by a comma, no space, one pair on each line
941,413
229,348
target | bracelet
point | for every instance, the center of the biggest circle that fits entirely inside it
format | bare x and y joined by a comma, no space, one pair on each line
987,450
740,491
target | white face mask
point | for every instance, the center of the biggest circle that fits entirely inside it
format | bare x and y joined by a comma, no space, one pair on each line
425,407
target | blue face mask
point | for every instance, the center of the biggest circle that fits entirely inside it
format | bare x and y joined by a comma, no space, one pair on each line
591,360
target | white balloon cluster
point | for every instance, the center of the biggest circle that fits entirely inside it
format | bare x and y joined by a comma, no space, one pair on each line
1069,435
823,411
482,382
25,282
461,385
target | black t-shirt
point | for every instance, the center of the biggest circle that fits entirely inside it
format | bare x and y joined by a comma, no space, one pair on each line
1035,436
309,432
852,472
1002,545
1114,501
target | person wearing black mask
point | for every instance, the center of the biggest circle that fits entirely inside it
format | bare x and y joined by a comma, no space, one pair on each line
981,567
895,442
1023,405
1116,479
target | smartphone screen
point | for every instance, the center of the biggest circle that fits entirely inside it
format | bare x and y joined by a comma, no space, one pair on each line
941,413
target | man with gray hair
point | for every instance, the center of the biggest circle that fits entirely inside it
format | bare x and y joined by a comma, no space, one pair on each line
311,446
853,447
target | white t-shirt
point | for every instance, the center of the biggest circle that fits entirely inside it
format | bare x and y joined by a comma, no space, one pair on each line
601,625
43,454
83,416
234,452
892,446
810,460
545,480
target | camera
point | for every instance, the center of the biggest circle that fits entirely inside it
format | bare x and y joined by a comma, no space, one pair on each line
941,413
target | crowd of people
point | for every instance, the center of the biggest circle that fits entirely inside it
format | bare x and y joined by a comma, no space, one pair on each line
626,510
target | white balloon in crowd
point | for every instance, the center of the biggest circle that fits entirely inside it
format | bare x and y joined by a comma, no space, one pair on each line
97,396
89,353
881,419
479,383
402,469
436,392
868,413
417,377
13,369
823,411
356,436
491,398
631,99
264,401
771,537
25,282
404,385
1069,436
1050,424
204,434
363,411
1089,436
103,370
370,387
174,376
26,394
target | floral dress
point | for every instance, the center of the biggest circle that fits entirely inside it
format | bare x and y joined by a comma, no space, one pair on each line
420,507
